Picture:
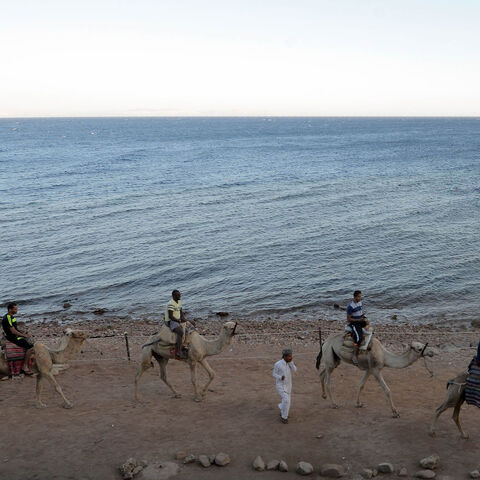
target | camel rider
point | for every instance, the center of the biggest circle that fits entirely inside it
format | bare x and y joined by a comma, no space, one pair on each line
357,321
16,336
174,317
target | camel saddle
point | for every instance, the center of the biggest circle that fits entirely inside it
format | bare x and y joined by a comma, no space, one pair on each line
348,340
166,337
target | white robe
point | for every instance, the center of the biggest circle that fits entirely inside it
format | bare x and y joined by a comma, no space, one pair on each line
284,387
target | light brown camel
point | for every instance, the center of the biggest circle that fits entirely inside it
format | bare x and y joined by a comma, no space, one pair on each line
49,362
372,362
199,349
454,398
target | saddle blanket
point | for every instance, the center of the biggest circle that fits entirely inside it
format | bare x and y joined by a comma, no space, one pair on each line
15,358
472,387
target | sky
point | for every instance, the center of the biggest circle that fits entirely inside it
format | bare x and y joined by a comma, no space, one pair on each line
242,58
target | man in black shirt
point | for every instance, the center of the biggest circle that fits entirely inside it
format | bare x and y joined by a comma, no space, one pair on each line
16,336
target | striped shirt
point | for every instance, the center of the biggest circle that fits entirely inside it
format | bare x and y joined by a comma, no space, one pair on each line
355,310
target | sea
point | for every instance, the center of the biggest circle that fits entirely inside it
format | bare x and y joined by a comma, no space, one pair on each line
277,218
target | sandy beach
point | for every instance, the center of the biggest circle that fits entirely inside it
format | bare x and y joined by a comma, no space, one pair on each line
239,415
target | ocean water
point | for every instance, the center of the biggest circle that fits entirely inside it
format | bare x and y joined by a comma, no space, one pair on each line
279,217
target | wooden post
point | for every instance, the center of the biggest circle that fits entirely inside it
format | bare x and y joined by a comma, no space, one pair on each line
128,347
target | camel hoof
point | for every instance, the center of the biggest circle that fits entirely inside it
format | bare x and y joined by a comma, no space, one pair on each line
395,415
359,405
465,437
324,396
67,405
198,399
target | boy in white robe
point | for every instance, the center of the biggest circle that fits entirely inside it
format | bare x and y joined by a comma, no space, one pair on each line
282,372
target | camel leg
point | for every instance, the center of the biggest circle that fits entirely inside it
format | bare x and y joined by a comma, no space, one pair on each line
438,411
322,381
66,403
38,389
193,375
359,404
145,364
378,375
211,375
456,417
162,362
326,381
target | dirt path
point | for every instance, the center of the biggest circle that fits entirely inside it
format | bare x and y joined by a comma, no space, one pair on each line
240,417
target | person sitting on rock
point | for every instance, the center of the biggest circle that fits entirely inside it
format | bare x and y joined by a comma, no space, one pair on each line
16,336
357,321
174,317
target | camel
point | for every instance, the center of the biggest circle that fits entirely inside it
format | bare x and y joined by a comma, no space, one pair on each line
371,361
49,362
199,349
454,398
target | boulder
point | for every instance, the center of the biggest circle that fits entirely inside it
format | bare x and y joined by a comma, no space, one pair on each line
189,459
258,464
304,468
273,465
425,474
127,468
204,461
431,462
282,466
403,472
385,468
475,474
331,470
222,314
212,459
222,459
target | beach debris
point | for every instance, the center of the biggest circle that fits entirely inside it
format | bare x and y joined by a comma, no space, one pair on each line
204,461
273,465
403,472
425,474
282,466
189,459
258,464
332,470
431,462
385,468
304,468
222,314
222,459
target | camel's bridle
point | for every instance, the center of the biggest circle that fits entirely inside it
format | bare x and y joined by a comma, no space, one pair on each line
234,328
423,350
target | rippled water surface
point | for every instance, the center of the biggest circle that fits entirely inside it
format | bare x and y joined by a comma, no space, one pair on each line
244,215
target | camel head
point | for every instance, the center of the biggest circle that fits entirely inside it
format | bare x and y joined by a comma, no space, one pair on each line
422,349
228,330
76,334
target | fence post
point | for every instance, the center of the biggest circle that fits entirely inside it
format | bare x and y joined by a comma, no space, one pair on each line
126,344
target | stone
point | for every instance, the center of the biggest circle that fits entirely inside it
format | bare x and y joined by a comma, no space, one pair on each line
332,470
304,468
222,459
258,464
282,466
99,311
204,461
403,472
394,317
212,459
128,467
385,468
319,436
336,306
181,455
189,459
475,474
475,324
367,473
159,471
137,470
273,465
425,474
222,314
431,462
67,305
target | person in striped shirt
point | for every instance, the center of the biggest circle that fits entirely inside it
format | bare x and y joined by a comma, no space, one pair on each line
357,321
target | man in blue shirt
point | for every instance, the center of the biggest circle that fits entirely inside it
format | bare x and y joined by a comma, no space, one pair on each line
357,321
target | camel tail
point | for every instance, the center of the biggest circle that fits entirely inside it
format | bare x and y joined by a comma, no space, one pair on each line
320,353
